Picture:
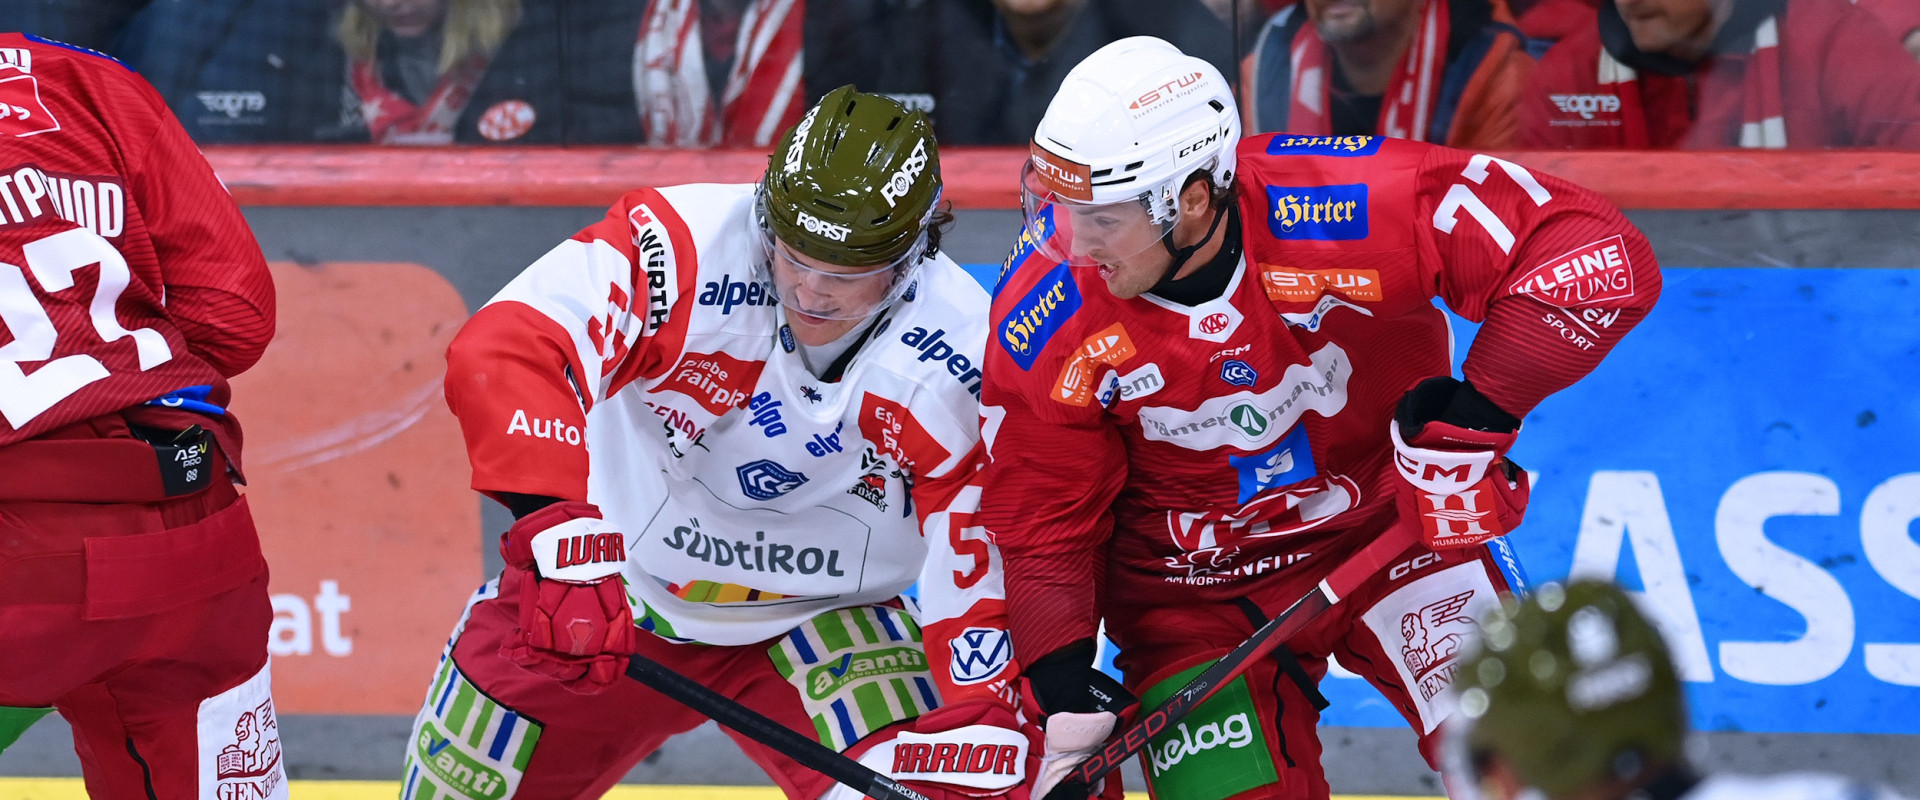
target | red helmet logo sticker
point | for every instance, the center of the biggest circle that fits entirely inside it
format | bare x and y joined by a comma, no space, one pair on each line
1065,179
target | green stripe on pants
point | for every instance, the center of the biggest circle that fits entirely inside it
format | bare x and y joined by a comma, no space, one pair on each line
532,735
833,630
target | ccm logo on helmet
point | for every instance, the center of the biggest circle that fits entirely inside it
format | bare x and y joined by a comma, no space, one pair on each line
902,180
1194,146
822,228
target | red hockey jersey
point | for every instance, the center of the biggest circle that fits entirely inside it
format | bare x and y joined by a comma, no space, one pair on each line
1148,449
126,271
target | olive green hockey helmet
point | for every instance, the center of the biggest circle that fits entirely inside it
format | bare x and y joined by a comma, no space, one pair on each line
1571,687
855,182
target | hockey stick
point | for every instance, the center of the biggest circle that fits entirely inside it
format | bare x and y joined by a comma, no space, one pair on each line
1329,592
756,726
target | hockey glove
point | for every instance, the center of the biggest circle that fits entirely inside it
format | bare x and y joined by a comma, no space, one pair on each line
1082,706
575,625
970,749
1450,444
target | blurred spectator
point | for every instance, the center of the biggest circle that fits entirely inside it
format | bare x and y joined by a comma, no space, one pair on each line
1243,18
1702,74
240,70
439,71
1443,71
94,24
723,72
1548,21
1900,16
986,69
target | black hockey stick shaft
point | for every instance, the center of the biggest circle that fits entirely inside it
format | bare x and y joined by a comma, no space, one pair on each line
756,726
1368,560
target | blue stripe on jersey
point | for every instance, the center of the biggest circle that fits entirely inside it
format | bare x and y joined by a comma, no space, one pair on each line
807,655
886,621
440,709
846,721
78,49
926,692
413,776
499,746
1509,564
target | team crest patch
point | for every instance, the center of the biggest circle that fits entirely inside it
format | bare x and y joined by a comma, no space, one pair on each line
765,480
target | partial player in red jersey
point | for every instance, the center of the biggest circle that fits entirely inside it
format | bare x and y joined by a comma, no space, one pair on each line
133,595
1217,371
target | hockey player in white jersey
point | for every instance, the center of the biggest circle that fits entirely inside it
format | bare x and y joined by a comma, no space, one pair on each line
734,423
1572,696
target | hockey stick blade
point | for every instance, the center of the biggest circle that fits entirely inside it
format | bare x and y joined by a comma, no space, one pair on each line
756,726
1326,594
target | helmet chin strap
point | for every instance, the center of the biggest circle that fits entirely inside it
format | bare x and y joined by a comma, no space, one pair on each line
1181,254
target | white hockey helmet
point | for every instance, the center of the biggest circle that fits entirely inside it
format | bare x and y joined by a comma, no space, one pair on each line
1129,124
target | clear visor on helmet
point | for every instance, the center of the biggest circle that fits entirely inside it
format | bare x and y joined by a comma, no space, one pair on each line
824,290
1086,234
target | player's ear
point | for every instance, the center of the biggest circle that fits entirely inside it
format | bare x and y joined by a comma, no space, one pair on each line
1196,200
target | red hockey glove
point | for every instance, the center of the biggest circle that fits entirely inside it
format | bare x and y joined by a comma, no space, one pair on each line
1080,707
575,625
976,748
1450,444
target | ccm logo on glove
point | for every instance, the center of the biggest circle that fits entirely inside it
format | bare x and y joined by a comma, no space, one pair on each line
977,756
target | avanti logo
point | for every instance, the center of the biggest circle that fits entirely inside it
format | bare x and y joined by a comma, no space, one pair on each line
826,679
457,769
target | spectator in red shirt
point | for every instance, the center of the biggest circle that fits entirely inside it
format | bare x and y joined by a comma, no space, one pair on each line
1900,16
1697,74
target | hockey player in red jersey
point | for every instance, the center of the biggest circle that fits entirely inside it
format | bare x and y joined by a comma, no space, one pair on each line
743,417
1217,371
133,595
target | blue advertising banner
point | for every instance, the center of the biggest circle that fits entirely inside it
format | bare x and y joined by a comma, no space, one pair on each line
1748,461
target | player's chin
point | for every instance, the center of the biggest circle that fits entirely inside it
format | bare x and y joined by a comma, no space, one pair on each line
1123,283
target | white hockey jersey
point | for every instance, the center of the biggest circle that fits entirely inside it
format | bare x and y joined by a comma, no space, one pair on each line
641,367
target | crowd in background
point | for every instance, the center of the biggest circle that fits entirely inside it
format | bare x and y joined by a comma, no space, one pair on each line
1485,74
